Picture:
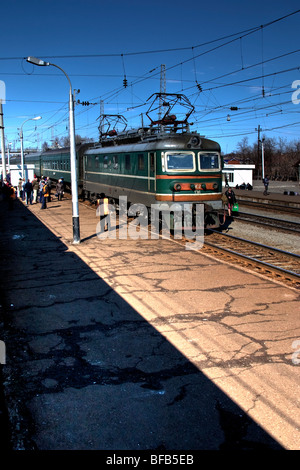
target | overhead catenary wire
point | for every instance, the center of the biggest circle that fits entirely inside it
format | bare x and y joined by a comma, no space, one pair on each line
226,40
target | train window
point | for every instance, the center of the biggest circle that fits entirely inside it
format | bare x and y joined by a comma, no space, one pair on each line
180,161
105,161
89,163
96,162
141,163
209,161
152,162
127,162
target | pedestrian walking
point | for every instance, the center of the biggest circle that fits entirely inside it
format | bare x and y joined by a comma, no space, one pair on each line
28,192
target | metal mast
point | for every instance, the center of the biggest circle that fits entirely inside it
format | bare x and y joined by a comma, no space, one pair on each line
162,88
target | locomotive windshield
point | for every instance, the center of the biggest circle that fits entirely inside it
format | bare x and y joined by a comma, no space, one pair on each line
209,161
180,161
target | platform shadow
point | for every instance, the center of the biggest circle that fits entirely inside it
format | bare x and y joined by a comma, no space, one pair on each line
85,371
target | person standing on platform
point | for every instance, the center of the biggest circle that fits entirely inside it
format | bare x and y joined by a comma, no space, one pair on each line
266,184
231,200
103,211
35,188
28,192
49,184
60,189
44,196
20,188
41,185
23,190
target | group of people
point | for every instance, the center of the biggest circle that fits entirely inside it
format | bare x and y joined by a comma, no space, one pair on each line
39,190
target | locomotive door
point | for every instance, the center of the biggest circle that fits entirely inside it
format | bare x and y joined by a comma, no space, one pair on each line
151,172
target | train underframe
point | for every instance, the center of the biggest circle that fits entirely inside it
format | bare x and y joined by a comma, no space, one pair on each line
172,214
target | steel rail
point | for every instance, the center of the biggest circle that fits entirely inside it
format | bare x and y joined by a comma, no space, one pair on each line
255,259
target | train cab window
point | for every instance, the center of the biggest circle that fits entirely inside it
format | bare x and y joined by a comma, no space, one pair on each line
89,163
141,162
209,161
127,162
180,161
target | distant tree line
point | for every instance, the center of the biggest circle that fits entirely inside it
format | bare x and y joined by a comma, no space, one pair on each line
62,142
281,158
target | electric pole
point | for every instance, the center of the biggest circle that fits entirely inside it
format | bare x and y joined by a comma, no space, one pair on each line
259,129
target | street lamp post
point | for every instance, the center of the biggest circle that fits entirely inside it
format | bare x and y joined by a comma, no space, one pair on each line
74,187
21,139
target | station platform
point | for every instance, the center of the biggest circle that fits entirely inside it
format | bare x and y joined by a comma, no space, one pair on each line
271,198
281,193
123,344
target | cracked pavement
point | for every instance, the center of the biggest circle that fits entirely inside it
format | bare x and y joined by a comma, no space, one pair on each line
140,344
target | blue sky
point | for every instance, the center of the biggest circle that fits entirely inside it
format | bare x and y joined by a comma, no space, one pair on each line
236,51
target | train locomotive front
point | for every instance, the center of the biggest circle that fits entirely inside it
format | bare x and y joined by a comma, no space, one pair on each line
189,171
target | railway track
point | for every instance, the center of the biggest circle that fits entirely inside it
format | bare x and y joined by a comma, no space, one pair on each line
278,264
287,209
271,222
271,262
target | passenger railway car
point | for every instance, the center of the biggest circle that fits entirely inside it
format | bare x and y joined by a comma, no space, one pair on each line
162,163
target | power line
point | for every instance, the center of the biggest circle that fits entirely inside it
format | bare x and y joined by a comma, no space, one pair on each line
158,51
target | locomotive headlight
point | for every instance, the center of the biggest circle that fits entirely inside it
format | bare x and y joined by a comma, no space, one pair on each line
215,186
177,187
203,186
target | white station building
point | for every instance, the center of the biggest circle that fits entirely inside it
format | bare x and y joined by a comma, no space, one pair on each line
237,173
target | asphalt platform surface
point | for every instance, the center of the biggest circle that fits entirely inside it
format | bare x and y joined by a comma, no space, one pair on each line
138,344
